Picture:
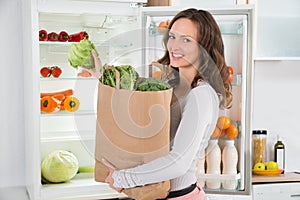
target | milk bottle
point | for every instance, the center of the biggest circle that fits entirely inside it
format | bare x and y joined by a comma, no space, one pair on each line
201,168
213,161
229,161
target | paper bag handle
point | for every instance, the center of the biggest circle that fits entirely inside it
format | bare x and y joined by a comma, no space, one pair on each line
166,71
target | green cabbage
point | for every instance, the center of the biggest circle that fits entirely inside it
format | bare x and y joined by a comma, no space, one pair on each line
80,54
59,166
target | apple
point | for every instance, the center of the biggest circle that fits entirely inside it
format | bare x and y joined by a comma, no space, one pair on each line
271,165
259,166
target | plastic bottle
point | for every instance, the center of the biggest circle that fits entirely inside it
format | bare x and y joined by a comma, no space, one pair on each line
201,169
229,161
213,162
279,153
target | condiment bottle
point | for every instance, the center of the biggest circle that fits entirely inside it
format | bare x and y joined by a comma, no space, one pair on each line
229,161
213,162
279,153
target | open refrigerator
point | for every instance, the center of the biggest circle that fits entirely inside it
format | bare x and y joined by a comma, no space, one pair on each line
123,33
236,25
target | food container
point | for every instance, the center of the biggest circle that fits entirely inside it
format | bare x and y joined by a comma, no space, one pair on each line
259,141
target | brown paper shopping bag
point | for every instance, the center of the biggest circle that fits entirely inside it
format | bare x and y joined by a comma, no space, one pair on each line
132,129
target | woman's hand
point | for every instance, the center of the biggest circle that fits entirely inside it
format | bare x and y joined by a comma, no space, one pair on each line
95,72
109,179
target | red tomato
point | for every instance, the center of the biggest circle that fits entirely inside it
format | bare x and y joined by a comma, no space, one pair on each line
230,70
56,71
45,71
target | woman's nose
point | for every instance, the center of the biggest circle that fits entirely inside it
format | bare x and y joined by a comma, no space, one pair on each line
174,44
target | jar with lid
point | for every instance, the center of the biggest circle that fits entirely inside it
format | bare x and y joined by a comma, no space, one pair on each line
259,140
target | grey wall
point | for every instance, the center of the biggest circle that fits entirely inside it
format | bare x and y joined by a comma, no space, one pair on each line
11,99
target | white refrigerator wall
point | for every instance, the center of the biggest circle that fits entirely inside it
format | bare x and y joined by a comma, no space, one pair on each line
11,101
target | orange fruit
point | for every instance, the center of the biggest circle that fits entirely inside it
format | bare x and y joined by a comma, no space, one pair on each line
223,122
222,134
156,74
232,132
216,133
163,24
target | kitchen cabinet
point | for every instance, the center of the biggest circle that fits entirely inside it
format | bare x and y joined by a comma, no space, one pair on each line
276,191
278,29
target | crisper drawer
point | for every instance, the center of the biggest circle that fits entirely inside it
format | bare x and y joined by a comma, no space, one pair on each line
277,191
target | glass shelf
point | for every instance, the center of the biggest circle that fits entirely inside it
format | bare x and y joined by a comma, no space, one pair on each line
57,43
63,78
237,80
66,113
67,136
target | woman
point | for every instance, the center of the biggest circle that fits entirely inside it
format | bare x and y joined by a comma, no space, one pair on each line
194,48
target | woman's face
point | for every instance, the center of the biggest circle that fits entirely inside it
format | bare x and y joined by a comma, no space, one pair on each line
182,44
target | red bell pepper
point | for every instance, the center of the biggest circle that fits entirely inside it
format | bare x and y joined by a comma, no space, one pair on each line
78,36
43,35
53,36
63,36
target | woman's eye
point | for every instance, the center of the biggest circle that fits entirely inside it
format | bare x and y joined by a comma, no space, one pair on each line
171,37
186,40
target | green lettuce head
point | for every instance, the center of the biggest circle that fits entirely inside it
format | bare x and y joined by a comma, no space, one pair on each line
59,166
80,54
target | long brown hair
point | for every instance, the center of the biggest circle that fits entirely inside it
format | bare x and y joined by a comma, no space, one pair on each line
212,68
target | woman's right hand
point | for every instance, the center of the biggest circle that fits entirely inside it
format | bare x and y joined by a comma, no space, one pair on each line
95,72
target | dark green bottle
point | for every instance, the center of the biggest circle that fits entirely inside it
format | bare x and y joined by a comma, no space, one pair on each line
279,154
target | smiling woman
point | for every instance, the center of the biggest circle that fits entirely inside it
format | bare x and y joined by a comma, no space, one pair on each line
195,53
182,45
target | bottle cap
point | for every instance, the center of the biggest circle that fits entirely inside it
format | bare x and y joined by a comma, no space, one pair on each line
229,142
257,132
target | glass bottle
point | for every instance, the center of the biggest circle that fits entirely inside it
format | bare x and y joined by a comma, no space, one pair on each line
279,153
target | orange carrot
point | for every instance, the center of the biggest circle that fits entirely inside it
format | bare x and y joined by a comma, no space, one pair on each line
66,93
59,97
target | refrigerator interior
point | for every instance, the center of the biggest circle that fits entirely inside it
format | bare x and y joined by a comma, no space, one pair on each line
75,131
234,28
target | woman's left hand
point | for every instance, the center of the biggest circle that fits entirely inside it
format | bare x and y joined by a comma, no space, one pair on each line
109,179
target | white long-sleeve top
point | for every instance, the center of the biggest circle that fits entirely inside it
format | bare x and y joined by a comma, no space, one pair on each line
199,117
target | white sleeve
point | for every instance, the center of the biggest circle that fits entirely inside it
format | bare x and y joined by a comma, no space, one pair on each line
197,116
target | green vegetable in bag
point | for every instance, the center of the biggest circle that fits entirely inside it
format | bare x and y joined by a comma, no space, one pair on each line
128,76
152,84
80,54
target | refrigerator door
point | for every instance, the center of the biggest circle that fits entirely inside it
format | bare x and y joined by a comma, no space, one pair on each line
236,26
